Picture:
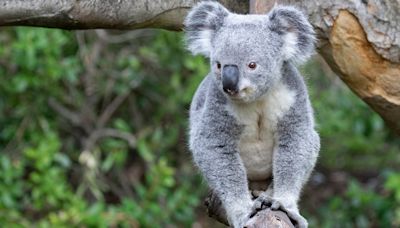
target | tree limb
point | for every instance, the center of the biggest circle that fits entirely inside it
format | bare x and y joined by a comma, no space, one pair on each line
109,132
265,218
89,14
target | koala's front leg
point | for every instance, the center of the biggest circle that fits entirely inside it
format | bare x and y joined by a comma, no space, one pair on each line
220,163
293,161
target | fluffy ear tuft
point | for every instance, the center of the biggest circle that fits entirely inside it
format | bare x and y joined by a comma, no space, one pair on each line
201,24
297,33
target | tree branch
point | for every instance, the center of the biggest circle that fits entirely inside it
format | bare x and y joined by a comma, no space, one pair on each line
109,132
89,14
265,218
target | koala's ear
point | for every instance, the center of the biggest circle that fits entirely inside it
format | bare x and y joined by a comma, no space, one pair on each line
297,33
201,24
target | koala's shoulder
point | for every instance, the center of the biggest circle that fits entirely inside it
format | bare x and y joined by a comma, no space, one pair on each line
207,92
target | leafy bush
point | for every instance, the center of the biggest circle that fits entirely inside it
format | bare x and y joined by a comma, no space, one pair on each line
363,207
54,172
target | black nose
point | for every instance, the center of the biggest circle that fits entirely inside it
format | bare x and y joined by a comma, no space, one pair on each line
230,79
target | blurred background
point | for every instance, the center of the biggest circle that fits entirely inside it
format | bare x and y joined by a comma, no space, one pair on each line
94,134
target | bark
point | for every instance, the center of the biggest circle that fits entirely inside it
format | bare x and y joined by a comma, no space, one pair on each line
360,40
88,14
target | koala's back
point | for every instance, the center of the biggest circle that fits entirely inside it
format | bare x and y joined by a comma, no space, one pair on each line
198,103
200,95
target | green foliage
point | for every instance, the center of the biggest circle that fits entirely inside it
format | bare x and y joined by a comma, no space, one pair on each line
361,207
159,188
36,183
351,133
48,178
94,135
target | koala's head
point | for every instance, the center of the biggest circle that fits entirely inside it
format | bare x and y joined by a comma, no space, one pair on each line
247,51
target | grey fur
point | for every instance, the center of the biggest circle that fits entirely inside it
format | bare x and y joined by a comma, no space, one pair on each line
267,129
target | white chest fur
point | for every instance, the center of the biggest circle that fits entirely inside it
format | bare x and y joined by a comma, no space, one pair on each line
258,140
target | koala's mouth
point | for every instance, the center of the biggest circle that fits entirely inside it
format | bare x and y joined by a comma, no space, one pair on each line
242,95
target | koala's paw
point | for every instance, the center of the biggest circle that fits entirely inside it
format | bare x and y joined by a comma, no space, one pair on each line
240,219
240,222
238,216
265,201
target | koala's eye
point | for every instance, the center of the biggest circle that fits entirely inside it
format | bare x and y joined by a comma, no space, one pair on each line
252,65
218,65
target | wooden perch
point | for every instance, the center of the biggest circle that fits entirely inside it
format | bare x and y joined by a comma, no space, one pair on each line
266,218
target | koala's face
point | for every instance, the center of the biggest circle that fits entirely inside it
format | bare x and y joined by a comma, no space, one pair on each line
247,51
245,60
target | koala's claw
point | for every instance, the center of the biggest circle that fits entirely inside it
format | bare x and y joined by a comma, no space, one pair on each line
263,202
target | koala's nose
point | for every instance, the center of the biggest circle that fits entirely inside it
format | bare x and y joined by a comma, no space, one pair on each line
230,79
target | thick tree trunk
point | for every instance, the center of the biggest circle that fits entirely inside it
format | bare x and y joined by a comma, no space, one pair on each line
360,39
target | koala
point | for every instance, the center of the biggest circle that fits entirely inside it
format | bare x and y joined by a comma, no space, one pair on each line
251,119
